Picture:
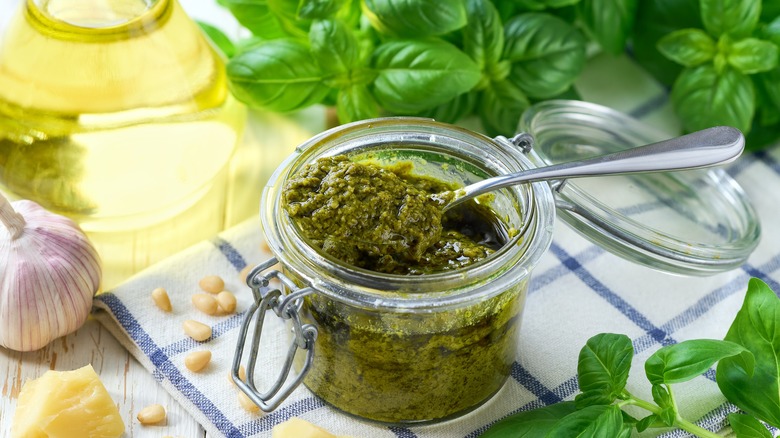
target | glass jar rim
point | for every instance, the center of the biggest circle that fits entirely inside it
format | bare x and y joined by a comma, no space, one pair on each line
511,264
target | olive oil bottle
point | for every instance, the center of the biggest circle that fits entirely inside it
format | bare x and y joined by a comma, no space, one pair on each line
115,113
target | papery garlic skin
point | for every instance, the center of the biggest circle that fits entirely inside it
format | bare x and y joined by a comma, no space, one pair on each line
49,274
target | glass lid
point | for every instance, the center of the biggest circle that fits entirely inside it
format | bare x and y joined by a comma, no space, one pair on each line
697,222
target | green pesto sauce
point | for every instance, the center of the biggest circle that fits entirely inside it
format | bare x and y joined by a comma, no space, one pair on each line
401,367
410,367
384,219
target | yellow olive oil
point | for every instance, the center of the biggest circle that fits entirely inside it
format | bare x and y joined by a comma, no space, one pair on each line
115,113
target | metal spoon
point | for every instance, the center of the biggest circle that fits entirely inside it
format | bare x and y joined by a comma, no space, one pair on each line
708,147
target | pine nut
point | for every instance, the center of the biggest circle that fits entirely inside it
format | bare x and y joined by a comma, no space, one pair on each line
205,303
241,374
151,414
227,301
197,360
161,299
212,284
264,247
247,402
196,330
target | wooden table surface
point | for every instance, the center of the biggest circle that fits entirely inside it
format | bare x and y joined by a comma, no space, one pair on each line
267,140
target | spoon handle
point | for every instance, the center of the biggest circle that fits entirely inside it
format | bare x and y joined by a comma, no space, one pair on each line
708,147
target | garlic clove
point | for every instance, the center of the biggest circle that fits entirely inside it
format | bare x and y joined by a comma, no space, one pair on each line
49,273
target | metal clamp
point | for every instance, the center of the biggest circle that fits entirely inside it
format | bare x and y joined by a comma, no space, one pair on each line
525,142
286,307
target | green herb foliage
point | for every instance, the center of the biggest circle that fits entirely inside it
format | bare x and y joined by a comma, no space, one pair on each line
408,57
748,374
757,328
715,88
493,58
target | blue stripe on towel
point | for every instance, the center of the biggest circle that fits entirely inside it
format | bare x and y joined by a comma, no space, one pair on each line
526,379
217,330
402,432
611,297
284,413
162,362
231,254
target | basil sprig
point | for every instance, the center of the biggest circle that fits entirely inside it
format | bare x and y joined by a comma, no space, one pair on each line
720,57
408,57
716,87
748,375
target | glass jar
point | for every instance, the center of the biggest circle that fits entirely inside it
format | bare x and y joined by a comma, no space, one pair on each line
396,348
407,349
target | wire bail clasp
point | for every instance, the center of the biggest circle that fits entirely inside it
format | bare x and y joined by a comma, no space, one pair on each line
525,142
287,307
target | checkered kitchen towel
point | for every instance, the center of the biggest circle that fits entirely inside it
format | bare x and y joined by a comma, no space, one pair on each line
577,291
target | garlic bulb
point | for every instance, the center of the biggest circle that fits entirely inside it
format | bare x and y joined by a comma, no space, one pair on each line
49,272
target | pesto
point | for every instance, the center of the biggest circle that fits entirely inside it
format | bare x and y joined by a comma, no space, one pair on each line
411,367
407,366
384,218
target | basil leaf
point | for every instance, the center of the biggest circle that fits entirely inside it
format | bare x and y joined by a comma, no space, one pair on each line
704,98
654,20
312,9
688,47
602,369
609,21
547,54
770,9
413,75
751,55
762,136
500,107
592,421
483,38
220,40
771,31
286,11
746,426
771,78
661,396
418,18
737,18
651,421
628,420
454,110
663,399
355,103
757,328
682,362
280,75
539,5
770,84
530,424
333,45
256,16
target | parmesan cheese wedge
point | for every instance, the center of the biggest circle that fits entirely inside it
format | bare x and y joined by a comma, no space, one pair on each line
66,404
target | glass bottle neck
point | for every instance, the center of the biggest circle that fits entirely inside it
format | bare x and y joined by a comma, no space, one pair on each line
109,18
94,13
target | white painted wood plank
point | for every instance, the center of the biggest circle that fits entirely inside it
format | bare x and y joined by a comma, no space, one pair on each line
128,383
